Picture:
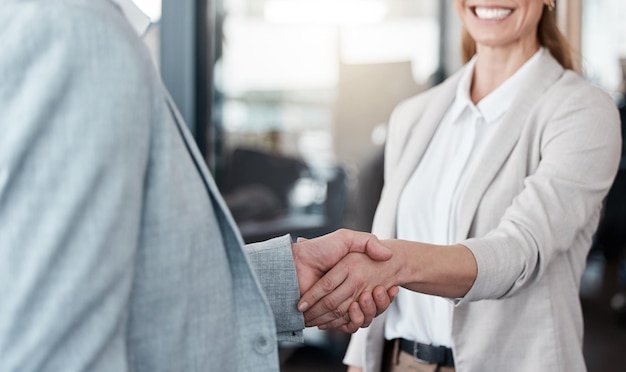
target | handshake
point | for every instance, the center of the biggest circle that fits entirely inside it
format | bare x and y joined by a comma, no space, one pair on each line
346,279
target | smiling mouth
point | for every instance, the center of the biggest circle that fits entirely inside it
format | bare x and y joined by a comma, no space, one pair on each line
491,14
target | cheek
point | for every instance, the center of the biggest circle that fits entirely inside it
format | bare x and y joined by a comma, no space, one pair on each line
536,11
531,24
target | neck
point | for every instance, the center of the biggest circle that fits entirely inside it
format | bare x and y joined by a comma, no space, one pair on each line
495,65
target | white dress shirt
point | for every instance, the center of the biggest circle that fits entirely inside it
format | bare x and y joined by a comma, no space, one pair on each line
429,203
138,20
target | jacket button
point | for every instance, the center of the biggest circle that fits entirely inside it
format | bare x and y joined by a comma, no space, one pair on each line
264,345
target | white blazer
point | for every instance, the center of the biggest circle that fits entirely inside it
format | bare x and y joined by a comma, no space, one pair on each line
529,214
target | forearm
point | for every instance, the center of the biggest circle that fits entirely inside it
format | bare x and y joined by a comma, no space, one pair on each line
441,270
446,271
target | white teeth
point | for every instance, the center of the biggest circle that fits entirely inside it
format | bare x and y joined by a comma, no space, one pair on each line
492,13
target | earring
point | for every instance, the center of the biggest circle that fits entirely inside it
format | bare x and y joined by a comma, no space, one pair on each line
551,5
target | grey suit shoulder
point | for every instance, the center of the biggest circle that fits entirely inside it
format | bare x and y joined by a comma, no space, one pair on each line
115,251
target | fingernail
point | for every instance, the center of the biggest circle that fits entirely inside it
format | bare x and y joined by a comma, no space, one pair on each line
323,327
303,306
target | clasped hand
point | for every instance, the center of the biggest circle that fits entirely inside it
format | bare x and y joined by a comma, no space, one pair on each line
331,297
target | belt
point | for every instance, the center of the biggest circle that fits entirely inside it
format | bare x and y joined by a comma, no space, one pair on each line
439,355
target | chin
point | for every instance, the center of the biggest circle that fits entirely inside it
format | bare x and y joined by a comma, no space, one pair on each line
492,41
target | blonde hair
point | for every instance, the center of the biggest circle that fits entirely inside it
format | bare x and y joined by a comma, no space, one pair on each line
548,35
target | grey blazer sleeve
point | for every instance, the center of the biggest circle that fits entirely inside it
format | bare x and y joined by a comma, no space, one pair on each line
273,264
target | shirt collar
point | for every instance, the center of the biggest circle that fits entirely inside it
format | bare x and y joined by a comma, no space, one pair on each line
138,20
496,103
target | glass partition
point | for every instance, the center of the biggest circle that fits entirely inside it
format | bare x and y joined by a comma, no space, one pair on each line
604,43
303,90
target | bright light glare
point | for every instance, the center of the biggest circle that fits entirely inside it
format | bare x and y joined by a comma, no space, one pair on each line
393,41
325,11
152,8
264,56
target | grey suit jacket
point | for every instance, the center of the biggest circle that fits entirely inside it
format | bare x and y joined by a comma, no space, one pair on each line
529,214
116,251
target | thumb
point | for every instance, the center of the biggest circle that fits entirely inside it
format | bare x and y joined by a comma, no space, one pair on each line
370,245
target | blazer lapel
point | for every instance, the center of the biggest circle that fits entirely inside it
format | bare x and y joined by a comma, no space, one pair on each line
504,140
419,137
221,210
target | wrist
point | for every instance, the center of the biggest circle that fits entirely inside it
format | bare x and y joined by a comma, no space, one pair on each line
401,265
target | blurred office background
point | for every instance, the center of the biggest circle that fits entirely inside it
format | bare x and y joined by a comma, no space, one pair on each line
289,99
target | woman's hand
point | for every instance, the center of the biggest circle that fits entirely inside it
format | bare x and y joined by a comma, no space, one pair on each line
354,369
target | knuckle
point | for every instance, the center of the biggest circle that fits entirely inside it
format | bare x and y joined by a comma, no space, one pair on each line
327,284
337,313
356,316
331,304
381,305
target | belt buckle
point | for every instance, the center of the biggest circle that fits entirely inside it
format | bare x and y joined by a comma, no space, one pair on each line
416,351
429,354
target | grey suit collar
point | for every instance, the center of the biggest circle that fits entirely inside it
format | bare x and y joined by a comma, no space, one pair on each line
221,209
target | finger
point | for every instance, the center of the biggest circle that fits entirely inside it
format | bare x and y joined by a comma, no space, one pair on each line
300,240
367,243
331,306
393,292
376,250
354,369
345,329
321,290
351,326
339,312
368,307
336,323
382,299
354,324
352,319
357,316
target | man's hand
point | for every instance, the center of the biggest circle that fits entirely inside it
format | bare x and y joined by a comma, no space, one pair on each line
361,314
345,283
313,258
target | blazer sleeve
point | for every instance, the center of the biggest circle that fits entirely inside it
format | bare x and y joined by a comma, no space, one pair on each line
273,264
71,184
580,151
